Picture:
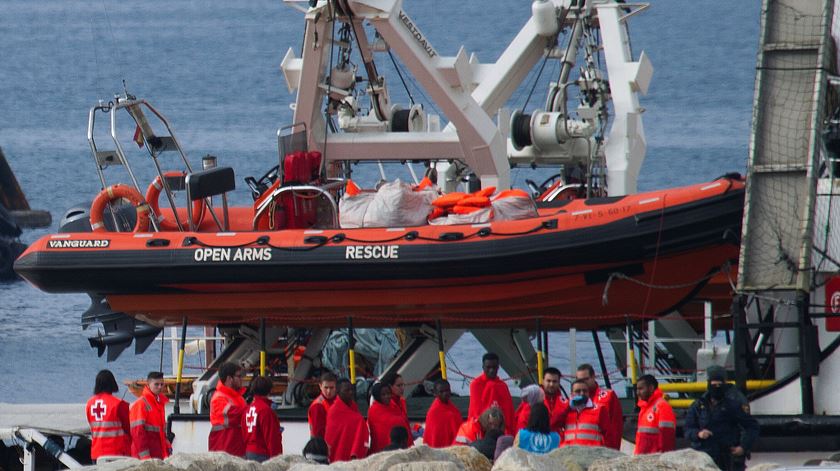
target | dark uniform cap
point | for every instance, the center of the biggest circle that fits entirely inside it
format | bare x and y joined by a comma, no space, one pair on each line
715,373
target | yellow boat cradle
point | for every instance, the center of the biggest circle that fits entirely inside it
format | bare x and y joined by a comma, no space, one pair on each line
700,387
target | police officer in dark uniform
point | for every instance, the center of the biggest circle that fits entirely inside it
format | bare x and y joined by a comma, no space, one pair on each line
720,424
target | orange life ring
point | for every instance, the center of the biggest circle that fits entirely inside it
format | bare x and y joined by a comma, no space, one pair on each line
153,195
113,193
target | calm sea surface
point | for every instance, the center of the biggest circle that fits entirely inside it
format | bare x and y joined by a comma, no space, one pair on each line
213,69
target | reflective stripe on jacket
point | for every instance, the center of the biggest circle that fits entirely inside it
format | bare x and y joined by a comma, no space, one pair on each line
110,432
656,432
148,427
226,410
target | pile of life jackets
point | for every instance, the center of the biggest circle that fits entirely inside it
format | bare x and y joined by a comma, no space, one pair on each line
482,206
397,204
289,211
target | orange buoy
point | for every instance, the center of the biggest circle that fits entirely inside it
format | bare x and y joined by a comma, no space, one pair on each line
153,195
114,193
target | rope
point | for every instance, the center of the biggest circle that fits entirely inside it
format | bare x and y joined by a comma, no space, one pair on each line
725,268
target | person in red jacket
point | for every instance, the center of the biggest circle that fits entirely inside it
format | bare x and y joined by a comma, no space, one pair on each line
557,406
487,390
657,429
397,392
586,420
607,399
317,413
148,421
443,418
382,417
347,432
263,434
108,416
530,395
226,410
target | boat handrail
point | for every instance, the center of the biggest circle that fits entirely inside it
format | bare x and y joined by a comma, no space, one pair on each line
322,190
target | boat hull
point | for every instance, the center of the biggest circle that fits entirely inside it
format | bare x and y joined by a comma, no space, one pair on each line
586,264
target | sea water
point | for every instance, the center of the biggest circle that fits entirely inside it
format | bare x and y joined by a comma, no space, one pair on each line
213,69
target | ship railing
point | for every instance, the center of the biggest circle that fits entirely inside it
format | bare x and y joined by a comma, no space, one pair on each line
305,192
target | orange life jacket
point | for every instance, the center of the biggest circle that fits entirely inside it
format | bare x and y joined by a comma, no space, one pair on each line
585,428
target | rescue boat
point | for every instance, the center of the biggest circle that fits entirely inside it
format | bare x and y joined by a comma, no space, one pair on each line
581,263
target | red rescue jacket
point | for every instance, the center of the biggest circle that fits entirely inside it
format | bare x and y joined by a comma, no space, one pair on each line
226,410
110,428
586,428
442,423
557,410
656,432
468,432
317,415
615,416
262,429
148,427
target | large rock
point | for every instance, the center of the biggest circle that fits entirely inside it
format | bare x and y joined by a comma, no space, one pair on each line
470,458
384,460
577,457
767,466
680,460
426,466
210,461
284,462
517,459
131,464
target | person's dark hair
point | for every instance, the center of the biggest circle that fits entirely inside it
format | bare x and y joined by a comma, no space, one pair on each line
328,376
538,420
154,375
340,382
552,371
227,370
399,436
489,356
105,382
389,379
649,380
588,368
261,386
316,450
376,391
439,383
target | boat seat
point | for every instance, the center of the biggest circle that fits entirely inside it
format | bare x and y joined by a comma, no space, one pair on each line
207,183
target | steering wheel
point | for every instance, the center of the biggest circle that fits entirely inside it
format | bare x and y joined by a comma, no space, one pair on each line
539,190
258,187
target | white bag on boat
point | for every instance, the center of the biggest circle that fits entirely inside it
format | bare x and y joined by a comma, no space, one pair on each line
352,209
396,204
511,208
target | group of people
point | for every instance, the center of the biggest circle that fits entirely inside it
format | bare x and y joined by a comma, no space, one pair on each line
246,430
718,423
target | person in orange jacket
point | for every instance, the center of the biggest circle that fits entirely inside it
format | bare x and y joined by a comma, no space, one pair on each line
657,428
263,434
607,399
226,410
317,413
108,416
586,420
148,421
